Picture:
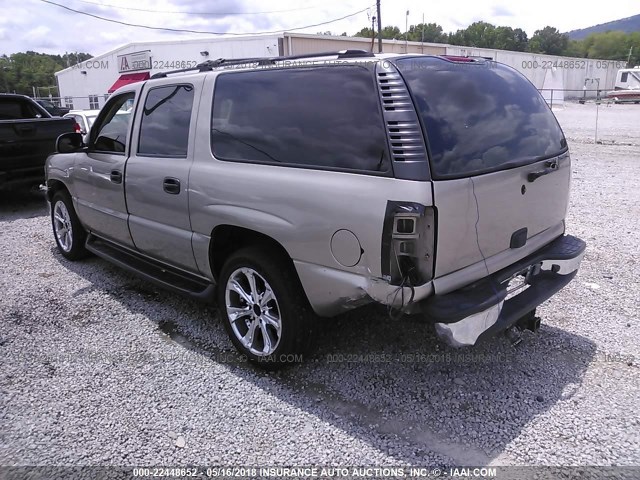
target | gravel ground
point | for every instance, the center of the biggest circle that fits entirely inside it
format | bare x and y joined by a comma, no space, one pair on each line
98,367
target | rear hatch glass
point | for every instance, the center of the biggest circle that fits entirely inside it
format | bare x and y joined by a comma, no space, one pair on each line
479,116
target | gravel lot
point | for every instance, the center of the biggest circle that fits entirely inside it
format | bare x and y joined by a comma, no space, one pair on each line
98,367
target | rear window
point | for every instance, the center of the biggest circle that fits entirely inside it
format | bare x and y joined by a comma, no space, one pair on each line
480,116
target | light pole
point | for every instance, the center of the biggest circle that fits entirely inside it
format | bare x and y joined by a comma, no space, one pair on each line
406,33
379,27
422,36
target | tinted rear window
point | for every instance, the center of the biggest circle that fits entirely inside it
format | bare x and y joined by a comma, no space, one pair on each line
327,118
480,117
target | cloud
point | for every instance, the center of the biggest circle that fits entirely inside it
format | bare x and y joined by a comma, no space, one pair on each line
72,31
38,33
501,11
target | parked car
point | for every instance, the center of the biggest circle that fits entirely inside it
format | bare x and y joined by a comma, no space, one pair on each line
434,185
52,108
83,118
27,136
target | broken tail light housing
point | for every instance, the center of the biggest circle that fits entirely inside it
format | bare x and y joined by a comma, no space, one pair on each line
408,243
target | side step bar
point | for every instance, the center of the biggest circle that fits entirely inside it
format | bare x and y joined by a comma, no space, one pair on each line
162,275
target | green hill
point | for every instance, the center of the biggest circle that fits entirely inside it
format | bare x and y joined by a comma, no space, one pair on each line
626,25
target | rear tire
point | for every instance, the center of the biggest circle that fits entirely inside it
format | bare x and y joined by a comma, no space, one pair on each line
68,232
264,309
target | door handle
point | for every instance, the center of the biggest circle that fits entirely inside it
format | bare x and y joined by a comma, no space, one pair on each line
171,185
116,176
551,167
25,128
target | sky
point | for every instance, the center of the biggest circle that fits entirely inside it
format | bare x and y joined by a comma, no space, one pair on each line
43,27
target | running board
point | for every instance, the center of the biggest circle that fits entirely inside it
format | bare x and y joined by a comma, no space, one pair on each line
153,271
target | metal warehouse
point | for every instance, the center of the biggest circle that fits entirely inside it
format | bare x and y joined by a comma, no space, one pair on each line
88,84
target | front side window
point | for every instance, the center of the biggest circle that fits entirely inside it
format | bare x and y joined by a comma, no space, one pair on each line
113,131
318,117
164,129
480,116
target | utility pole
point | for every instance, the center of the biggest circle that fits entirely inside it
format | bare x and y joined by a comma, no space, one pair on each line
629,56
379,27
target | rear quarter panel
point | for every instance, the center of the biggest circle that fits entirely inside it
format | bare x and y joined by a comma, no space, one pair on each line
298,207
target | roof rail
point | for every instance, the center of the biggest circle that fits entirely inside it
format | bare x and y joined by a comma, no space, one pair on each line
221,62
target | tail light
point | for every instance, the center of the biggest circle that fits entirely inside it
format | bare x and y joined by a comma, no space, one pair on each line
77,128
408,243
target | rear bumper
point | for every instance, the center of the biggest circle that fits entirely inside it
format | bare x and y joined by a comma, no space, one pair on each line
480,310
19,178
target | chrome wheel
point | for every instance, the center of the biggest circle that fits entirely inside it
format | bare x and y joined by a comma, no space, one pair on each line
253,311
62,226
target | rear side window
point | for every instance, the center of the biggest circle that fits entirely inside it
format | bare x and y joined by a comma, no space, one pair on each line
17,109
164,129
317,117
480,117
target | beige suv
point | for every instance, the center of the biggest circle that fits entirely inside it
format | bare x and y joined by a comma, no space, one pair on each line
287,189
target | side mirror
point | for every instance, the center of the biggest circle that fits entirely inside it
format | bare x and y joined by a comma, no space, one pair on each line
69,142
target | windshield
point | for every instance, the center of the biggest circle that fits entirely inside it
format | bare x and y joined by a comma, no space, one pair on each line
479,116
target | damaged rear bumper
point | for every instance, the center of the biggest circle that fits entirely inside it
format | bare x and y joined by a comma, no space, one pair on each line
480,310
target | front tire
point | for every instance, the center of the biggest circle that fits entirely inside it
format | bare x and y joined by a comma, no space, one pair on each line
69,234
264,309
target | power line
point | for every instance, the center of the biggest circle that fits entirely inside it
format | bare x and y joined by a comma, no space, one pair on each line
213,14
181,30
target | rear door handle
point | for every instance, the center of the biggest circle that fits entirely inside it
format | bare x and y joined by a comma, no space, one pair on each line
116,176
25,128
171,185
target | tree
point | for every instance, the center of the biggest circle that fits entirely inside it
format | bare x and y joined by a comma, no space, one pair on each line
507,38
480,34
392,33
389,33
549,40
576,48
432,33
486,35
20,72
613,45
366,32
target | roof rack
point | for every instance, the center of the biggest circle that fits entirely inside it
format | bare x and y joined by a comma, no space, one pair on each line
221,62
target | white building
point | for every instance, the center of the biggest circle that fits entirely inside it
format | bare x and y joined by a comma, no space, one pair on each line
87,85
